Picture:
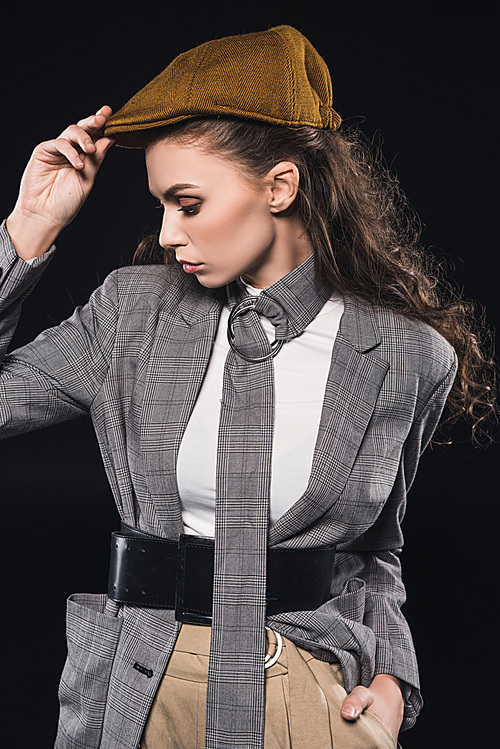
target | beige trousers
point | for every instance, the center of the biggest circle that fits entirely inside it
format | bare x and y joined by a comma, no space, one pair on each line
303,700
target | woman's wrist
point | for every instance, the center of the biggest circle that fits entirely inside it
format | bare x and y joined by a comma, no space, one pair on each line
389,688
30,235
388,682
389,701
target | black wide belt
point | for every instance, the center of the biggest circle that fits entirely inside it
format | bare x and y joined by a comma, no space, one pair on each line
146,570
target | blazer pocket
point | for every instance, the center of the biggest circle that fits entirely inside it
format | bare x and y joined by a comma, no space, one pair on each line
349,603
92,638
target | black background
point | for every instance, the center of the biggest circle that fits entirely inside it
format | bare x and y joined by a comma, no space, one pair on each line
421,76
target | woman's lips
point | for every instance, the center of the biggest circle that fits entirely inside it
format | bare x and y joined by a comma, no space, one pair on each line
190,267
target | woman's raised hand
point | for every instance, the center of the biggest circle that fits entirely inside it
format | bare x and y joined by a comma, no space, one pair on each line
56,182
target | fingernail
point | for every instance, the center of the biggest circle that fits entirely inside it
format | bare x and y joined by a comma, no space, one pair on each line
349,710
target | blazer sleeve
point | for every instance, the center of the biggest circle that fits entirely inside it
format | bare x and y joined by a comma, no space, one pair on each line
374,558
58,375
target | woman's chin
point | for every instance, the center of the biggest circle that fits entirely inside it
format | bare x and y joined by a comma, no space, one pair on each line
210,281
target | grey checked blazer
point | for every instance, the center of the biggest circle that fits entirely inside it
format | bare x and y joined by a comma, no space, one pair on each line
134,359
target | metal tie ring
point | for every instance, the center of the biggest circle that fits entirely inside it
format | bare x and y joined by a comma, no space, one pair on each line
247,304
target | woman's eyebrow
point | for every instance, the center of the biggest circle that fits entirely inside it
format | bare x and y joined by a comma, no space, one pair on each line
174,189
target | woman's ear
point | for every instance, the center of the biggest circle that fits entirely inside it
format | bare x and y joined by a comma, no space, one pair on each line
283,184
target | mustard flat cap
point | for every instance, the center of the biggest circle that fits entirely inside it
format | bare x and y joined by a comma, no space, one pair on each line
273,76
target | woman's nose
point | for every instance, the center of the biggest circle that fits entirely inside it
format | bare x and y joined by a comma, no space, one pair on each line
171,234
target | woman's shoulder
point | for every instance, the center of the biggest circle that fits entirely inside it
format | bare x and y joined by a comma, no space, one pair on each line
157,286
155,279
408,339
425,348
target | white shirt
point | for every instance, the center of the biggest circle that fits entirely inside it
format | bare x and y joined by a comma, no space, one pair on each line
300,374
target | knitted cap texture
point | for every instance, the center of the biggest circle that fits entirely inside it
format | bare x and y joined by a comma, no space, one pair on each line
273,76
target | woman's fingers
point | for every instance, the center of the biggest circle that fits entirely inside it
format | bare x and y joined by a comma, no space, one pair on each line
97,120
94,124
77,158
77,136
84,137
358,700
50,152
85,132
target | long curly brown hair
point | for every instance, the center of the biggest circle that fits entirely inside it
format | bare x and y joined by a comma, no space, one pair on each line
365,236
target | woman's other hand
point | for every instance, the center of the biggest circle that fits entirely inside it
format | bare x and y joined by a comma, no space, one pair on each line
383,698
56,182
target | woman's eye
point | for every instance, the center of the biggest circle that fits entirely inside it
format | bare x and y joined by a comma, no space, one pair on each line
190,210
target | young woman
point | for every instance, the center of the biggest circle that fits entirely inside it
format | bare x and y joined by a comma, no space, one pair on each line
262,383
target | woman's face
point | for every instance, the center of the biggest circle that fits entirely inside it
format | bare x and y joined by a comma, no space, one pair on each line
219,225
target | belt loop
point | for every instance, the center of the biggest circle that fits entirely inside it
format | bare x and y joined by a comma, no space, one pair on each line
195,560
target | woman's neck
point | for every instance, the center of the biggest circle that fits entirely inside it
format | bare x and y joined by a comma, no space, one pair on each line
291,246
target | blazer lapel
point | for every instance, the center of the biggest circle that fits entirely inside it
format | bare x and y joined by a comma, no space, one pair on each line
178,360
355,378
179,357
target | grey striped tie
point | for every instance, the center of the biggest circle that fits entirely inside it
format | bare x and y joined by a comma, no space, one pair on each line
235,697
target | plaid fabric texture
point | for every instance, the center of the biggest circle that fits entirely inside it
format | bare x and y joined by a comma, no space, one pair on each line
236,668
235,699
134,358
